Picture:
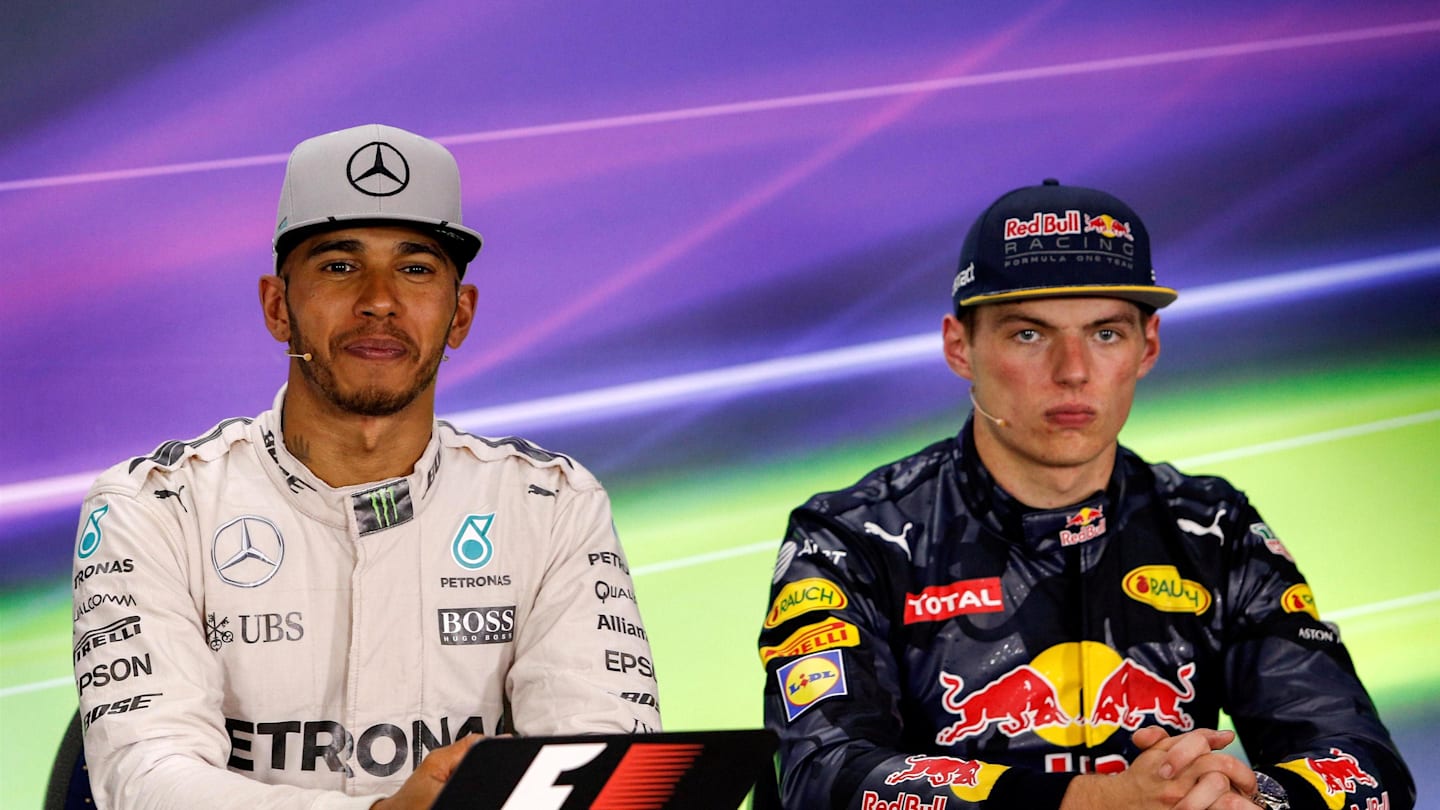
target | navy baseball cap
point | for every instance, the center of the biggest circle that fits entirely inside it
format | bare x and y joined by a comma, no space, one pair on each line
1049,241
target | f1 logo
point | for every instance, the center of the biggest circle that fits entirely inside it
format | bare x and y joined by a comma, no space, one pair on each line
537,789
653,769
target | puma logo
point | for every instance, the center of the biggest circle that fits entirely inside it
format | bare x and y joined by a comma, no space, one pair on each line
898,539
162,494
534,490
1200,531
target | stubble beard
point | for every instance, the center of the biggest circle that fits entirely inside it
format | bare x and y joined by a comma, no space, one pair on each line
369,400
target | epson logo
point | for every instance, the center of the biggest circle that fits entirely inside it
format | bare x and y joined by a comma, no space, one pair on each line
118,670
477,625
623,662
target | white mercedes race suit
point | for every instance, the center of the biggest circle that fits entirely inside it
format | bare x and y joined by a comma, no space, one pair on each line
249,637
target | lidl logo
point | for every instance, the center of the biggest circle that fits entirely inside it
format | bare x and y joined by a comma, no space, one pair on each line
472,548
809,680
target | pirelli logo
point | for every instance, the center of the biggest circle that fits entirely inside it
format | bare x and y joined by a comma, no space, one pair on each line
118,630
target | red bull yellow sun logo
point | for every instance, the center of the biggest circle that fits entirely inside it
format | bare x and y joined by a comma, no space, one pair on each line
1045,696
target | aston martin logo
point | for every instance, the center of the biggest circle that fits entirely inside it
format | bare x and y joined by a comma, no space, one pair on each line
378,169
247,551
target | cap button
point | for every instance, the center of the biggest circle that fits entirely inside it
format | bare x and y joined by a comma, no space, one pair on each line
1050,181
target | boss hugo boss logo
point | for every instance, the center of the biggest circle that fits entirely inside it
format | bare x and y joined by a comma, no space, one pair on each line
378,169
247,551
477,625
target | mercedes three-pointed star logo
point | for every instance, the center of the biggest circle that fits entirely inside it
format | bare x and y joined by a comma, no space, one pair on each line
378,169
247,551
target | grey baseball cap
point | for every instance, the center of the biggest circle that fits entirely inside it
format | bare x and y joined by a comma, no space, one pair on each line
372,173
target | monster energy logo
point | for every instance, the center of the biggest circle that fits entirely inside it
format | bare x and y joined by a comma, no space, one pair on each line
382,507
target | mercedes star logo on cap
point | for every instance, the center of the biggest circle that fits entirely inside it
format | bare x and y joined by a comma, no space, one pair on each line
378,169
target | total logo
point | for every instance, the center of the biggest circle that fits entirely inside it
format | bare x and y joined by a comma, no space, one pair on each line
1088,523
940,602
1044,697
1334,776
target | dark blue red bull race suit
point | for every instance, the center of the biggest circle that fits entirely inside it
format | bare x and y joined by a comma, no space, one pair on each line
933,644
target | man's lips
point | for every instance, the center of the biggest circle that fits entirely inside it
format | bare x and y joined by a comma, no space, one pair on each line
377,348
1070,416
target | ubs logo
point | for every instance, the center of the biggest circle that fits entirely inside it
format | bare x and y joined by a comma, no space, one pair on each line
247,551
378,169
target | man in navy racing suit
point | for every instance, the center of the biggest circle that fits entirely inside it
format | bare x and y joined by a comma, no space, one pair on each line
1028,615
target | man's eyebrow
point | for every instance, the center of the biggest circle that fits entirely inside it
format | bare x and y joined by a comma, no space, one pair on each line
340,245
407,248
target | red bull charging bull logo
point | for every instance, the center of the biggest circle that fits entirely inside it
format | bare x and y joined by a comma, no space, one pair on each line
1109,227
1334,776
1044,697
969,779
938,771
1088,523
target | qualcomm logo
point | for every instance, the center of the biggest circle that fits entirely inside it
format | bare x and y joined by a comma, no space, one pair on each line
251,549
90,540
472,548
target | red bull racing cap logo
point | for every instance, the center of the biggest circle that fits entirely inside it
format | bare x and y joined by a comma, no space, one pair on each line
1052,240
807,681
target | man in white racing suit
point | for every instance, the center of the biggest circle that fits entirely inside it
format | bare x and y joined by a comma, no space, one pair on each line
310,609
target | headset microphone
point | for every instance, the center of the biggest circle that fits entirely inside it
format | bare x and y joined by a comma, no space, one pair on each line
305,356
997,420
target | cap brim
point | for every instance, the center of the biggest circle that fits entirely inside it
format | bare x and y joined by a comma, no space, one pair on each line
1156,297
460,242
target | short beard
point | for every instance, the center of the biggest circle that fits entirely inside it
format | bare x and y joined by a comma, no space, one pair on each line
366,401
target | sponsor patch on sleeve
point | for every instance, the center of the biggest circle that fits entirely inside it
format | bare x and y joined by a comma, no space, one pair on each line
1333,777
802,596
1299,599
813,638
807,681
